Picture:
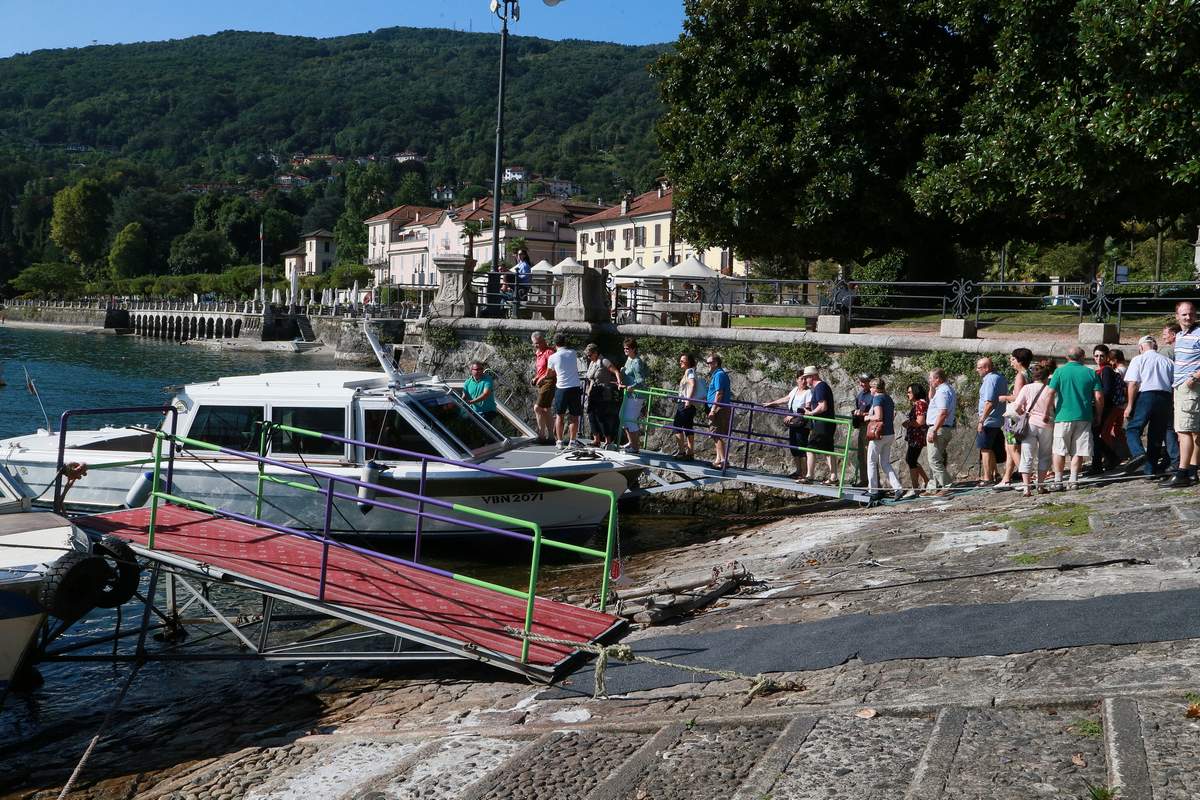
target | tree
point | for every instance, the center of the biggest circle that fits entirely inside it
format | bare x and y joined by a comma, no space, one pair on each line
163,215
130,252
368,191
49,280
199,251
412,190
80,220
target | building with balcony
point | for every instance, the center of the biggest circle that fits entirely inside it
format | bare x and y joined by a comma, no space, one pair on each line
402,243
641,228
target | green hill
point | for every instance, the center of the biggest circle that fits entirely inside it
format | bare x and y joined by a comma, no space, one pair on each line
205,107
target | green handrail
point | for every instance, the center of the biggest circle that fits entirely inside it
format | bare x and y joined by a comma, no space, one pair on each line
654,421
534,529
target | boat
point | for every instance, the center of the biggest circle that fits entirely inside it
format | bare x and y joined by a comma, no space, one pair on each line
413,412
49,567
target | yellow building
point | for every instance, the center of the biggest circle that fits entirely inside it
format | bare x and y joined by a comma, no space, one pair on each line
640,229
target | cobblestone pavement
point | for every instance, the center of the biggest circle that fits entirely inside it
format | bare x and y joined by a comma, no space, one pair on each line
1042,724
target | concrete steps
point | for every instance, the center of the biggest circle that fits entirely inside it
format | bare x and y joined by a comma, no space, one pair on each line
1147,746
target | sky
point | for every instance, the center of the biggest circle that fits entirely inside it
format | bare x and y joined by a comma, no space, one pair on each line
39,24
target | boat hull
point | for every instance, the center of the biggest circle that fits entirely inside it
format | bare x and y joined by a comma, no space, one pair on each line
20,619
231,485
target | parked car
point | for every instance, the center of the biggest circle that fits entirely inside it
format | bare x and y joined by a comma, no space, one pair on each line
1072,300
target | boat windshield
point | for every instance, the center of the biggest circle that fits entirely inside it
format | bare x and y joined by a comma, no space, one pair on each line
447,413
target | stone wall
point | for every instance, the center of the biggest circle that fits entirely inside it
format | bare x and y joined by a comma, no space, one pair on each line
350,345
762,365
60,316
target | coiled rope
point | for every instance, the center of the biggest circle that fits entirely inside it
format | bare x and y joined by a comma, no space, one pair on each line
760,684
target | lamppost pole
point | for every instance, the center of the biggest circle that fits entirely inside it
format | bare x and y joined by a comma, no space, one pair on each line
503,9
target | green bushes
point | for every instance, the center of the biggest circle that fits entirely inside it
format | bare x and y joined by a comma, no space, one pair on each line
871,360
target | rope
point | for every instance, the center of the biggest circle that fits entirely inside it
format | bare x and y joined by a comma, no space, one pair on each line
103,725
760,684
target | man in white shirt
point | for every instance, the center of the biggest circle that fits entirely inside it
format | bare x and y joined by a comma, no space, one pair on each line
1148,379
568,393
941,417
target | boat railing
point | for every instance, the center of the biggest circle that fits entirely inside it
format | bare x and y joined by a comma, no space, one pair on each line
64,423
484,521
747,436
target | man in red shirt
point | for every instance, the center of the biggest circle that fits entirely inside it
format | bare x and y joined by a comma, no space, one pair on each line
544,382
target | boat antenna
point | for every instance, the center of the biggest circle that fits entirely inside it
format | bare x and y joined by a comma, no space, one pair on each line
394,377
29,384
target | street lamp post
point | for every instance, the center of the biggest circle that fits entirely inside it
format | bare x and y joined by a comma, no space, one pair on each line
505,10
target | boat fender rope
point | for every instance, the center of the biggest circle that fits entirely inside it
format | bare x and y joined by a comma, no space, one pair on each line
760,684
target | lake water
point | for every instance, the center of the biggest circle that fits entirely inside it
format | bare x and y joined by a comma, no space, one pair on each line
80,370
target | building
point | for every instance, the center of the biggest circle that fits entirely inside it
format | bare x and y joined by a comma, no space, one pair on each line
640,228
317,253
407,156
402,242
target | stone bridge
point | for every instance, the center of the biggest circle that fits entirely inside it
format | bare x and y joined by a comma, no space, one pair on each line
219,320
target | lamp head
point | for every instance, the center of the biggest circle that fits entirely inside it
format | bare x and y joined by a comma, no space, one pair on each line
551,3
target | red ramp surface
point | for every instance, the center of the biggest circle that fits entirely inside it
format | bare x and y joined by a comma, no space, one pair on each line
423,602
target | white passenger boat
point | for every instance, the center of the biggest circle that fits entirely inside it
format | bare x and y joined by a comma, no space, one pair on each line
412,412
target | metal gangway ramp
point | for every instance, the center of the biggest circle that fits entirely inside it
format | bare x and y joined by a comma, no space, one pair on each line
743,436
424,612
424,605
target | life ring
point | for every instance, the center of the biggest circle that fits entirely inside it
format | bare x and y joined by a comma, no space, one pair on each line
126,572
73,584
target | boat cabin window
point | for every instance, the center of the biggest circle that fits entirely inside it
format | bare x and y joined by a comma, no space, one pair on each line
388,428
449,413
321,420
235,427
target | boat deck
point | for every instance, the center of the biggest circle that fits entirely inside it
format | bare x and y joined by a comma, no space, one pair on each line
360,586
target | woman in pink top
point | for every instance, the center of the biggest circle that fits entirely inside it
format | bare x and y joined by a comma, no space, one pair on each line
1036,400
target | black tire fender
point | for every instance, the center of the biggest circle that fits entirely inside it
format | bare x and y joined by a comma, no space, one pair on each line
125,570
73,584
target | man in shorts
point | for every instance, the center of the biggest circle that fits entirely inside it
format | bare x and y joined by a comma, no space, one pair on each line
543,383
1187,393
568,393
720,417
1078,395
988,438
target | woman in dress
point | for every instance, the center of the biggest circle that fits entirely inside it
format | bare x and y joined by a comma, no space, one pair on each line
879,451
915,430
1019,360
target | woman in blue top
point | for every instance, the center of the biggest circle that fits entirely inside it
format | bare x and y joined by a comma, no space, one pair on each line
879,451
633,376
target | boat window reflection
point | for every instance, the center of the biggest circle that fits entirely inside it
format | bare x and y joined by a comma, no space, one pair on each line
452,415
388,428
235,427
322,420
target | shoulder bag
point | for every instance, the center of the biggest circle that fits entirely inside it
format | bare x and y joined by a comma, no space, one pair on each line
1019,426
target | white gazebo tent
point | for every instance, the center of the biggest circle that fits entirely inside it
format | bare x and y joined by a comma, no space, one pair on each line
695,272
557,269
626,276
542,266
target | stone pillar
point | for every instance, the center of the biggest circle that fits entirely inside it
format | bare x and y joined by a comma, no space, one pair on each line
1091,333
456,296
583,296
957,329
833,323
714,318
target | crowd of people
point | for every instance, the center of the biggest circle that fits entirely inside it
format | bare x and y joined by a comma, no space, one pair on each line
1055,422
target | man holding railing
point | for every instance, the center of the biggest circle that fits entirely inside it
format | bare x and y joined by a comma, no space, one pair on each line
862,406
820,406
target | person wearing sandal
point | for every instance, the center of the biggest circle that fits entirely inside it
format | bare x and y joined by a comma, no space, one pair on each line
820,405
720,414
1020,360
797,425
1038,403
989,437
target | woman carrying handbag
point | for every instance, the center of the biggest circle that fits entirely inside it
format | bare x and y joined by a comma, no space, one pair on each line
881,432
1033,427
